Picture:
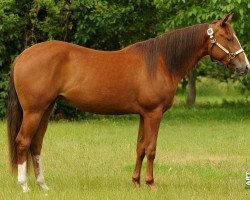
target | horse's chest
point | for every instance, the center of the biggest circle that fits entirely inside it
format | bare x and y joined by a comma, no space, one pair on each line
154,98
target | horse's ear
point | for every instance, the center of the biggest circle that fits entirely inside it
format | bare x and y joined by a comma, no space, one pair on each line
227,18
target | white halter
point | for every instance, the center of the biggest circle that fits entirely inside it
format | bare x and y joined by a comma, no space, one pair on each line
231,55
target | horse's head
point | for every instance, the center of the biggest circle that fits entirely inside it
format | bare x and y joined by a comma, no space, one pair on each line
225,47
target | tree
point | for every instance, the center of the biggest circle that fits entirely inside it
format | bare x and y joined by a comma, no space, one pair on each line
191,88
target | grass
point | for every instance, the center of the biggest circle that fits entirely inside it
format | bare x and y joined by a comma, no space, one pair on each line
202,153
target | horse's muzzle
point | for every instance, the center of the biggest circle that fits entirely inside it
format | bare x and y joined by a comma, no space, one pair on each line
242,71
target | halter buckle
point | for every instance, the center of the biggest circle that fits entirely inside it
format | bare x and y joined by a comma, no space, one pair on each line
231,56
213,40
210,32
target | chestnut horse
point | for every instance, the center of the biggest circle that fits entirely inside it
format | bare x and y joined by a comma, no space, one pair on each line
140,79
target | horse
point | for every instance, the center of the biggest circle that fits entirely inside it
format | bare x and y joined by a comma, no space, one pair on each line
139,79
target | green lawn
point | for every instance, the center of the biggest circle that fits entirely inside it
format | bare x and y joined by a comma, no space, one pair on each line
202,153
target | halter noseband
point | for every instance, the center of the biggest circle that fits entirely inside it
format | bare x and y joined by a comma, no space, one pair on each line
213,41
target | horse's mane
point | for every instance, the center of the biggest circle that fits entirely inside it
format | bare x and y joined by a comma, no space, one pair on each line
176,47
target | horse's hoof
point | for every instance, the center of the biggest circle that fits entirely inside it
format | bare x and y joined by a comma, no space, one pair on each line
25,188
136,182
43,186
137,185
151,186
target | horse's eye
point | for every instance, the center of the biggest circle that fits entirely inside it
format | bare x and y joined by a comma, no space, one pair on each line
229,39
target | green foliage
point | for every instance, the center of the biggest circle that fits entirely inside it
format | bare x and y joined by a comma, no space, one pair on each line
4,83
246,83
111,25
10,24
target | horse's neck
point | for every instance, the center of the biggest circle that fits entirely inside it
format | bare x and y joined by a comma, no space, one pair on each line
193,59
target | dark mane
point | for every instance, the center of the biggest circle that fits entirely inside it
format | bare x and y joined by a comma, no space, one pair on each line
176,47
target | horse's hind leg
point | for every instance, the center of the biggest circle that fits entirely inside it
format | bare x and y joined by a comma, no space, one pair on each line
30,123
36,146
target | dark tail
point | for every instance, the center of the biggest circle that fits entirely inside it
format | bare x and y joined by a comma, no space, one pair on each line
14,120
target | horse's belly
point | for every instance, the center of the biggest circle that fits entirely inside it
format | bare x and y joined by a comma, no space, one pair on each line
105,108
108,102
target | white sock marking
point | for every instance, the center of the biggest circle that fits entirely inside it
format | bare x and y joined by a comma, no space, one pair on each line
22,176
22,173
39,173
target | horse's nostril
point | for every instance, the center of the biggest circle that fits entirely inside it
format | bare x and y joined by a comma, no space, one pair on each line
241,71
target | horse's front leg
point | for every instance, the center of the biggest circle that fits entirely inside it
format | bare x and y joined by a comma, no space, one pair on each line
140,153
151,127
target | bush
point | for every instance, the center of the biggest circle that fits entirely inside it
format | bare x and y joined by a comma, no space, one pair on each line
4,84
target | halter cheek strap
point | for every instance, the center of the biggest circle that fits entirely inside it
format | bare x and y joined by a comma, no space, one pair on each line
213,41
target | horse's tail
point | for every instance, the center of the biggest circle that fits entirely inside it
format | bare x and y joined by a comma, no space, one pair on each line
14,120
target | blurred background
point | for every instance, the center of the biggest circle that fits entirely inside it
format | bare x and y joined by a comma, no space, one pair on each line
115,24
